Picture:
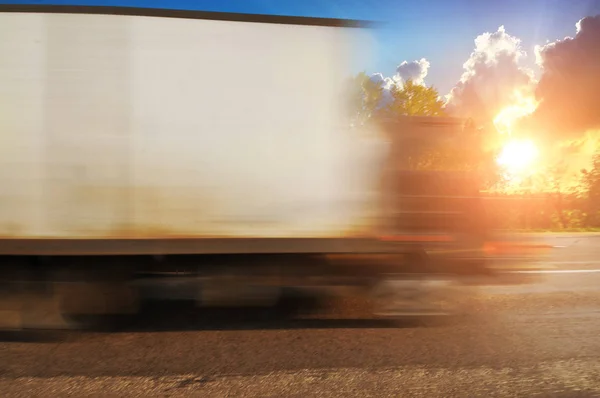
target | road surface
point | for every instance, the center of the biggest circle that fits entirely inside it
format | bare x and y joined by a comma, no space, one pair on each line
540,339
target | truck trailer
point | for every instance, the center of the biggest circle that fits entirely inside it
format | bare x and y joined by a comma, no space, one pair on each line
146,146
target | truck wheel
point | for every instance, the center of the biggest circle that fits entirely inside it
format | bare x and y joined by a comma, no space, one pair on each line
93,322
96,305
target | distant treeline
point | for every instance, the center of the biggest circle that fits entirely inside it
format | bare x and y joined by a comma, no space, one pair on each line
577,208
541,212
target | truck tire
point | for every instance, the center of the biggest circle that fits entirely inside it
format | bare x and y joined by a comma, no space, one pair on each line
96,305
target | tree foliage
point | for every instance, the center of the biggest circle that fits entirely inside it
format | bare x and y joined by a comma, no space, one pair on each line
591,191
363,98
412,99
366,100
370,100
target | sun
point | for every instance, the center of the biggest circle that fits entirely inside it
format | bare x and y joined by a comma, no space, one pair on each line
518,156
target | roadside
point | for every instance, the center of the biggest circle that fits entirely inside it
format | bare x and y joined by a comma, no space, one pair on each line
573,377
551,234
572,252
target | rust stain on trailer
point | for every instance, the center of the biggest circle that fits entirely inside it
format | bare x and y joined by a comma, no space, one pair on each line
96,211
190,212
145,212
12,229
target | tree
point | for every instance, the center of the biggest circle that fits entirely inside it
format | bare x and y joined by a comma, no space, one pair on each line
591,191
422,153
366,101
412,99
363,98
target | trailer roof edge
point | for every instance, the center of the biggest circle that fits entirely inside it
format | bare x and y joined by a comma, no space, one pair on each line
186,14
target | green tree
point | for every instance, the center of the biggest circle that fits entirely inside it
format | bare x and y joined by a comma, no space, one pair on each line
365,100
412,99
422,153
419,153
591,192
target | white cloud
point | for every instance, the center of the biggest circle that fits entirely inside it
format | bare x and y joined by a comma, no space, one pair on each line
415,70
492,78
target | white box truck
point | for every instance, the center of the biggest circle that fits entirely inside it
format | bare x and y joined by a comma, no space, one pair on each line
138,143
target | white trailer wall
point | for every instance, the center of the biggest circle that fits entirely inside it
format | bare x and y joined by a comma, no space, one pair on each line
129,126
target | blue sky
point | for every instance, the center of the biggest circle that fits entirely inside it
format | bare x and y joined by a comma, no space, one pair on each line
440,30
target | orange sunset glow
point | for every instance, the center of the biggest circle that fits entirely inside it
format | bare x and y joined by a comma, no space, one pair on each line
518,155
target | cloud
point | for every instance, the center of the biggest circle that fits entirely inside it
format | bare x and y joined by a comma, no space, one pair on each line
377,79
386,84
414,70
492,78
569,87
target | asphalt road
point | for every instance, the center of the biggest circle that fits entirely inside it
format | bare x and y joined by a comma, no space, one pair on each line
526,340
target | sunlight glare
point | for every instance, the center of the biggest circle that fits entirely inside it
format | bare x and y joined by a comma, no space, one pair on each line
518,156
507,117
